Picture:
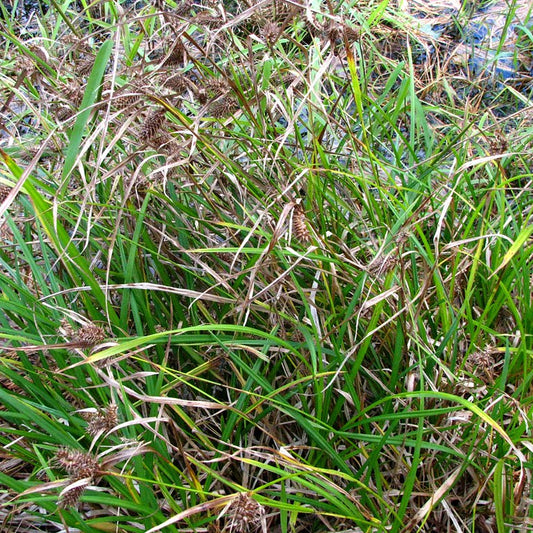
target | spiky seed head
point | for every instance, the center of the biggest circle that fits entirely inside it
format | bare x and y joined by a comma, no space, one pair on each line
216,87
244,514
71,497
352,34
74,93
89,335
4,192
178,83
499,144
176,54
334,31
382,264
299,225
123,102
102,421
77,463
67,330
67,459
270,33
40,53
482,359
223,107
152,125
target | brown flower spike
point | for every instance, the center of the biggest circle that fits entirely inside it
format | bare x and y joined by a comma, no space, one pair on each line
244,514
152,125
101,421
299,225
79,465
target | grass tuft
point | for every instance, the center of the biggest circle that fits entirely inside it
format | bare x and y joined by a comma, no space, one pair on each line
265,266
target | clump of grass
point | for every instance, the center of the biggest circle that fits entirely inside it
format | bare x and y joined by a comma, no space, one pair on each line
301,273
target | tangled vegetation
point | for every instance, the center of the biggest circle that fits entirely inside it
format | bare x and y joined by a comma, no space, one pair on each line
265,266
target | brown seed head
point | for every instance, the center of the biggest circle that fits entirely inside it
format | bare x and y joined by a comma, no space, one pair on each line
223,107
102,421
334,31
201,95
74,93
84,66
178,83
216,87
499,144
482,359
4,192
152,124
40,53
382,264
89,335
270,33
77,463
176,54
244,514
72,496
128,100
299,226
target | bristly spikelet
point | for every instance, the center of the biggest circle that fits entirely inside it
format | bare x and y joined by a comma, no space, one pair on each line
178,83
176,54
499,144
152,125
201,95
382,264
79,466
40,53
216,87
299,225
74,93
223,107
4,192
244,514
77,463
164,143
90,335
102,421
67,459
70,497
124,101
483,364
482,359
276,10
333,31
270,33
